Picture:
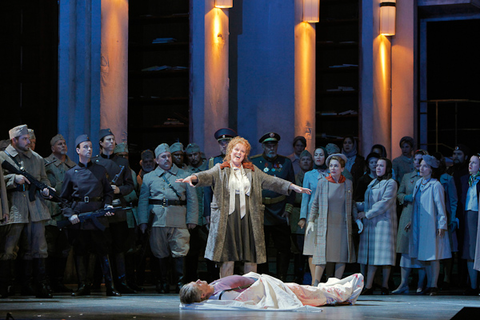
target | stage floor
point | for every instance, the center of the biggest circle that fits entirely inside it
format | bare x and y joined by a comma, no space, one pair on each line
155,306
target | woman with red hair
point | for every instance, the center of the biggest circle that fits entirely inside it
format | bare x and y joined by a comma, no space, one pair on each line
236,221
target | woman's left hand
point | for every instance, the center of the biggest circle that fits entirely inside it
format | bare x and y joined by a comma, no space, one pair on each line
299,189
441,232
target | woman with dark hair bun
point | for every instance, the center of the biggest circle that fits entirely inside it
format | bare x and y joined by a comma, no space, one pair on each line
355,163
370,174
379,217
428,242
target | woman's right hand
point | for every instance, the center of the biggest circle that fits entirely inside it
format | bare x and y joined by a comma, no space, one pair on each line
301,223
407,227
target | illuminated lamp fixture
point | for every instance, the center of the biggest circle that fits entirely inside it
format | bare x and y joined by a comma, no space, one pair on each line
387,17
311,11
223,3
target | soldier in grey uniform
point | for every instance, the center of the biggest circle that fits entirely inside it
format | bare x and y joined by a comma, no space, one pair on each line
171,208
178,155
27,216
277,206
56,164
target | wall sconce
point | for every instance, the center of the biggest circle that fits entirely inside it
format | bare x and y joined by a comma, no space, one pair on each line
311,11
387,17
223,3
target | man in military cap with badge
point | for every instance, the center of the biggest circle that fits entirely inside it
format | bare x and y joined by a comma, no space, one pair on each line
25,222
277,207
120,178
56,165
86,188
174,207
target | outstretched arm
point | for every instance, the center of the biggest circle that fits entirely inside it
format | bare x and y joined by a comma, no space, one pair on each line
191,180
299,189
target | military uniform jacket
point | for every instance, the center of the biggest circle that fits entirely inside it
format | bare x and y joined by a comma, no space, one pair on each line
56,170
22,210
200,192
113,165
155,187
90,181
280,167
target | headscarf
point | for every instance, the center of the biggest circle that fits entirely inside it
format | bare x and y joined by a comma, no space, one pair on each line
324,165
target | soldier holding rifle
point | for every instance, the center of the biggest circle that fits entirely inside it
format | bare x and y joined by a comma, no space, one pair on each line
87,189
25,222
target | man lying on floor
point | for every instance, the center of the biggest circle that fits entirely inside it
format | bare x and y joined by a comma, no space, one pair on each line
255,291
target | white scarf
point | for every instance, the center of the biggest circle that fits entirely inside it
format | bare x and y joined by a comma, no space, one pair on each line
238,184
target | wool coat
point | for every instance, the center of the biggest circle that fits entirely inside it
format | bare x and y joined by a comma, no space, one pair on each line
406,188
218,178
319,213
401,166
22,210
377,241
429,215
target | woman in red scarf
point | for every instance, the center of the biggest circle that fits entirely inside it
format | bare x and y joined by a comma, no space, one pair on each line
331,219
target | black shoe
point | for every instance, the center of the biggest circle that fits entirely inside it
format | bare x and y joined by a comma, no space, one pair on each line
470,292
83,290
122,287
134,286
27,290
385,291
433,291
367,292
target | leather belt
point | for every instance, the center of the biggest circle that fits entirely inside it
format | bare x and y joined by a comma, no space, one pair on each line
273,200
20,187
88,199
167,202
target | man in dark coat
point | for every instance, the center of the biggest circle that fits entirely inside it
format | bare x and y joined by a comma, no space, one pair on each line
120,178
277,206
87,189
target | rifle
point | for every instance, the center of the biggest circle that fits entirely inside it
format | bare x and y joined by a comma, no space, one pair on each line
91,215
34,184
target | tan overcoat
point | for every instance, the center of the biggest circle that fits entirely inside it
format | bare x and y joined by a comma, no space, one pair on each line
22,210
218,178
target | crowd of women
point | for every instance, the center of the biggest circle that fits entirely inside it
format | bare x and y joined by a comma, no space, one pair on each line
408,206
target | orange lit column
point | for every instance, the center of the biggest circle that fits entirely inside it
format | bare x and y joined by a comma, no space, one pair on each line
305,48
114,68
209,83
404,101
375,81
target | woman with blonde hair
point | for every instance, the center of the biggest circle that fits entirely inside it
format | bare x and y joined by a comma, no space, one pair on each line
236,222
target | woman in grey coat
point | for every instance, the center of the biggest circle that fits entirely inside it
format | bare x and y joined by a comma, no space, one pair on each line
236,221
377,240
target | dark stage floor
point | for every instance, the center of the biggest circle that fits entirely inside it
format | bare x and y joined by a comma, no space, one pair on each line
155,306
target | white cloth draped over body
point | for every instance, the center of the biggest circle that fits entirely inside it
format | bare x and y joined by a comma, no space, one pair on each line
271,294
238,184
